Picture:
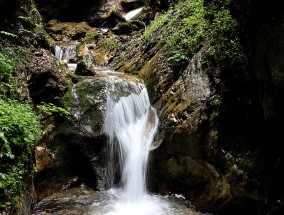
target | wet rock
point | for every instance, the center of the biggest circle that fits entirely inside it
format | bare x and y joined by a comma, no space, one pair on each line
87,105
129,5
127,27
67,31
79,35
67,10
85,67
47,78
87,102
44,158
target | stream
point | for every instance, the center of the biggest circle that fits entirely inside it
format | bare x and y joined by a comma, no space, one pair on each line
85,201
130,124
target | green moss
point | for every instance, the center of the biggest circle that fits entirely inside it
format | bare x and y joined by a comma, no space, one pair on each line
66,99
91,34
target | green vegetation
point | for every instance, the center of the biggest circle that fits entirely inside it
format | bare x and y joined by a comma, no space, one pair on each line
188,25
49,109
7,83
162,20
224,40
190,31
31,20
111,10
8,34
19,129
108,43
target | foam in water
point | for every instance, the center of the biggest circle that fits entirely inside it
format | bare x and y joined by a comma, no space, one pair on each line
146,206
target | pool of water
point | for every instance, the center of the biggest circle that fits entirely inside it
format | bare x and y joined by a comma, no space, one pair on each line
82,200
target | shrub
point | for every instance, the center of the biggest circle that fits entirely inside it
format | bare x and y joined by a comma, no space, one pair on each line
19,129
188,24
7,83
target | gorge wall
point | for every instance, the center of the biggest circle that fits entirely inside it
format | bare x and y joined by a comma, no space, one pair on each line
219,96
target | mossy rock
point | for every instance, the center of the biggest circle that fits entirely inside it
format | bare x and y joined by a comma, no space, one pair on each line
86,104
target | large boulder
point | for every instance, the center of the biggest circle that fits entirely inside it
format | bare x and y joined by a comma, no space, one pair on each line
47,80
88,105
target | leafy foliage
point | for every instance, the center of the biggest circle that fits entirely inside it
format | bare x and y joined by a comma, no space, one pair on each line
8,34
163,19
49,109
19,129
224,40
7,82
192,27
108,43
188,24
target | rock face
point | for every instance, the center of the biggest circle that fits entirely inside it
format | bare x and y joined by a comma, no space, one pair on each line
87,105
47,80
217,119
77,145
219,122
264,29
97,13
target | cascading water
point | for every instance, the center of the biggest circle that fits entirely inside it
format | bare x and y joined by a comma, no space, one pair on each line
133,14
130,124
58,52
67,53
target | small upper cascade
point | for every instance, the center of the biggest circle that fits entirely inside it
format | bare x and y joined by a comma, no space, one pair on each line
133,14
68,54
58,52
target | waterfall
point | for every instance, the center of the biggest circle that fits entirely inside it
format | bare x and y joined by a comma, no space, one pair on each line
68,54
130,124
58,52
133,14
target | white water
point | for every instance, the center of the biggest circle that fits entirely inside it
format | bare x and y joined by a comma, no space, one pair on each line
133,14
58,52
130,124
65,54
